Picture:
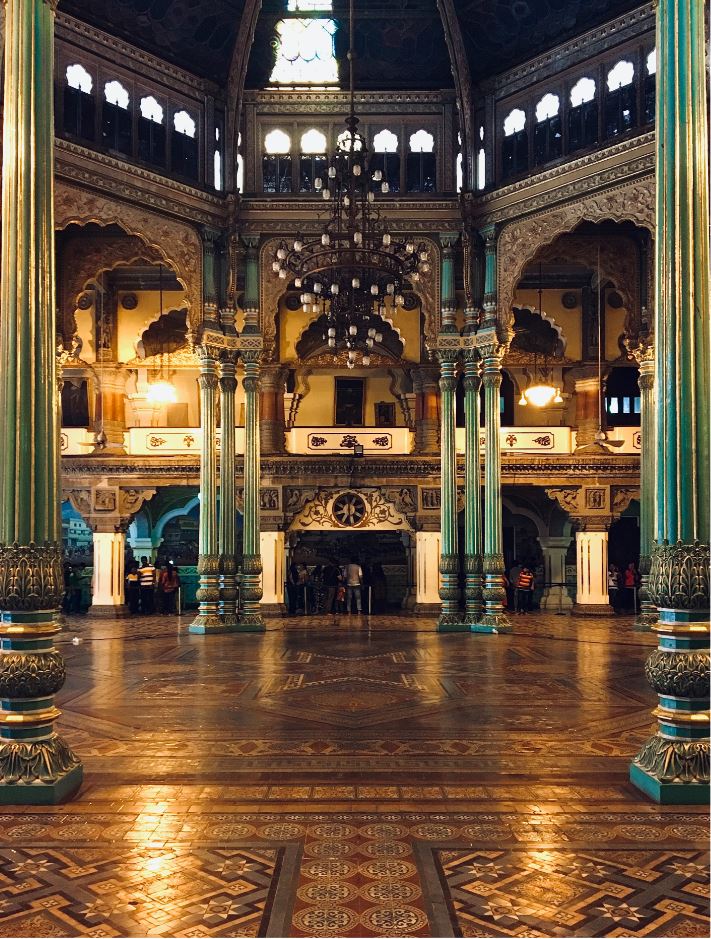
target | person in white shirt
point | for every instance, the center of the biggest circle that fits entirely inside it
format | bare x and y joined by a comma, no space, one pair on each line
354,580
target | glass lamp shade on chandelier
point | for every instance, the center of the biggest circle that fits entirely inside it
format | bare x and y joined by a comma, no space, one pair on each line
354,272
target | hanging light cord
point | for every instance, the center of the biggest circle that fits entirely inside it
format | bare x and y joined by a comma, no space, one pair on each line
599,348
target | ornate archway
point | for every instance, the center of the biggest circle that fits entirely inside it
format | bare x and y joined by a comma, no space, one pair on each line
345,509
521,240
178,245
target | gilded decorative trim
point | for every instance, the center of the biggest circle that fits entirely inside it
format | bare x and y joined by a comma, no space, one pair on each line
673,761
31,577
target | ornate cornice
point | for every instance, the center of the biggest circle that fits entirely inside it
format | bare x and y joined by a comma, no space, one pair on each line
75,31
136,184
542,190
338,102
362,469
580,49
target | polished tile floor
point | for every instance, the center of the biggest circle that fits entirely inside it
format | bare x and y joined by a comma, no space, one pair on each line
355,777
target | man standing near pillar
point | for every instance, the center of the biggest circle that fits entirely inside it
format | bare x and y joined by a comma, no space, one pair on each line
36,765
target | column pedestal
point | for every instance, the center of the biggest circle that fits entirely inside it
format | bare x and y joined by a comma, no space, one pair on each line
427,550
556,598
273,551
591,553
107,597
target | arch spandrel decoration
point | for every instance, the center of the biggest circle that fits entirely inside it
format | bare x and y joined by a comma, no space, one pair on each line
177,244
520,241
348,510
84,259
272,288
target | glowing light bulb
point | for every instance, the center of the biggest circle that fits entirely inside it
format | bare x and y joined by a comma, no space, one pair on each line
281,253
275,266
298,245
332,172
355,283
366,360
378,337
384,188
357,169
409,247
374,289
318,183
386,239
297,282
371,197
377,176
325,239
162,392
353,330
334,289
326,194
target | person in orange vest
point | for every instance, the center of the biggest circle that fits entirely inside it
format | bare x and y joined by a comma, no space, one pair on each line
524,586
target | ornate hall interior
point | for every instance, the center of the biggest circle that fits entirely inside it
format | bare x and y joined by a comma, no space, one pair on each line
354,468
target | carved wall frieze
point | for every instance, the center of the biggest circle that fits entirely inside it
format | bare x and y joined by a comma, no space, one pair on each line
520,241
178,244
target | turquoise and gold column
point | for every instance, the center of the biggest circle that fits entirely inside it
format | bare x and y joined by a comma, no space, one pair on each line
472,493
644,356
208,619
36,765
448,344
250,615
673,766
450,619
226,531
491,352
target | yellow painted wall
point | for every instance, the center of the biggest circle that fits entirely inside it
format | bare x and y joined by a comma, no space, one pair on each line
568,320
133,323
318,407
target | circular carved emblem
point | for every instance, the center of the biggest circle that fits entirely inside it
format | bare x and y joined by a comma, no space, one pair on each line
614,300
349,509
293,302
410,300
569,300
85,301
129,301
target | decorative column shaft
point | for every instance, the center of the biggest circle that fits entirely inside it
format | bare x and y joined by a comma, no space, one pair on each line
107,595
450,617
673,766
491,352
472,493
555,595
592,598
226,533
488,235
250,617
208,593
648,612
36,765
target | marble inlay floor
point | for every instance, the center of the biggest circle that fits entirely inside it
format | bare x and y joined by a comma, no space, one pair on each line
355,777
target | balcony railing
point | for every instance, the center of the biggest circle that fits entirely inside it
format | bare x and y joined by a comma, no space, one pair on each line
390,441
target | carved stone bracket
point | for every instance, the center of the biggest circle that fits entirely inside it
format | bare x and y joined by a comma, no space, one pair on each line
108,508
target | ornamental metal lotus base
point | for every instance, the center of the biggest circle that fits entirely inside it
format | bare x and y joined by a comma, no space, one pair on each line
673,772
40,773
249,622
452,623
493,621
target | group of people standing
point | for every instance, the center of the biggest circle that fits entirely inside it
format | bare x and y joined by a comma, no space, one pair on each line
520,584
150,589
336,588
622,587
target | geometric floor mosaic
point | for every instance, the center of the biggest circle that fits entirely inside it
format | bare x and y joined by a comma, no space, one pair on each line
565,893
355,778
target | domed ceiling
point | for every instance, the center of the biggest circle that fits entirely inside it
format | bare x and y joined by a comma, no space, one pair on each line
400,43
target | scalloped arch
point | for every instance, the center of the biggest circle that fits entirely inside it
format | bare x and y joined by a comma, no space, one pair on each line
632,202
177,243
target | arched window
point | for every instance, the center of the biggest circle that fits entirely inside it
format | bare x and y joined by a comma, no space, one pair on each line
386,159
650,88
620,100
514,151
582,116
547,134
312,164
116,118
184,145
305,51
421,163
79,103
622,398
481,162
276,162
217,179
151,131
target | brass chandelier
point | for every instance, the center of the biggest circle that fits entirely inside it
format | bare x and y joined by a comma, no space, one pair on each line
355,272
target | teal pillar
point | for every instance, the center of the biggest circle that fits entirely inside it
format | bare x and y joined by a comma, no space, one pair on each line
36,765
489,236
226,530
250,616
450,619
208,618
491,352
644,355
472,494
673,766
